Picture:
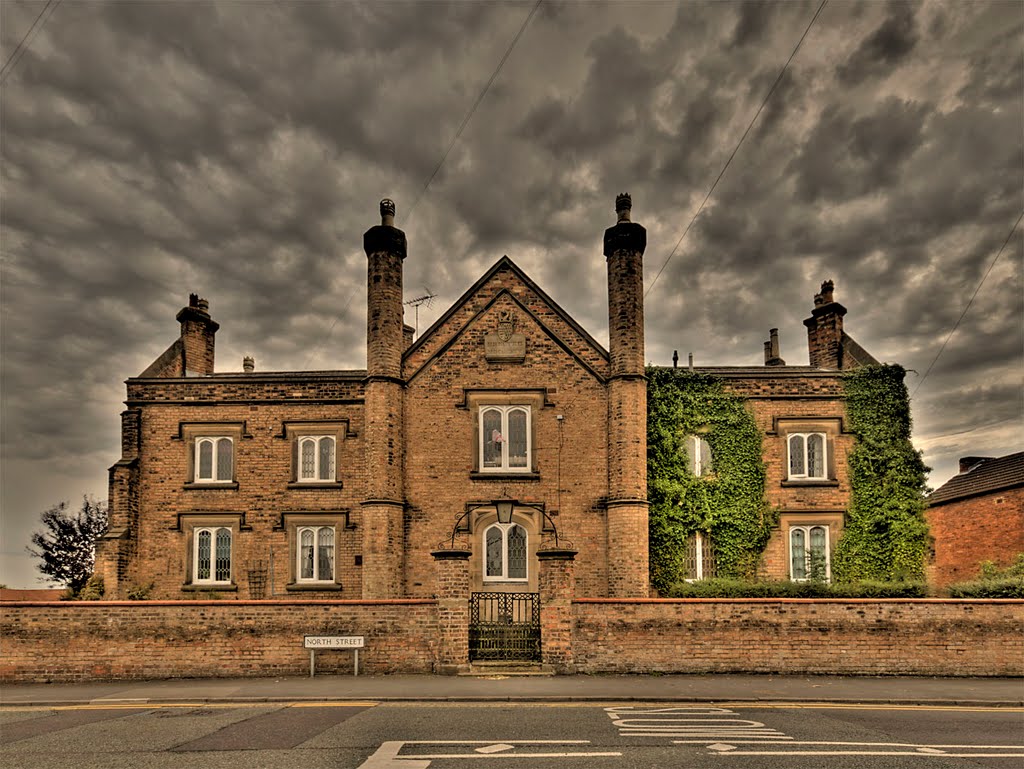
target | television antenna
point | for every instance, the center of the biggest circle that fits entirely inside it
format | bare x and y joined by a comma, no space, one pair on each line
427,298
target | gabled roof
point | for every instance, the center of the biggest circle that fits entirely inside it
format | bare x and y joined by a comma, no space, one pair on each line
505,263
988,476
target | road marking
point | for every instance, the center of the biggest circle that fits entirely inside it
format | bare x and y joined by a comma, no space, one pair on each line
713,724
388,755
910,749
495,748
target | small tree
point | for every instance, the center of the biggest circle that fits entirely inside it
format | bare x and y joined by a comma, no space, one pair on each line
67,546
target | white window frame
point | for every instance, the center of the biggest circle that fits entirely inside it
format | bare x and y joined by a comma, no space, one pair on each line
214,441
698,455
505,528
315,477
505,411
806,529
806,476
699,556
317,530
213,531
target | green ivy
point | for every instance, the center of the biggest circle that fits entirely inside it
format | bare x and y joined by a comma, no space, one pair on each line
886,536
730,503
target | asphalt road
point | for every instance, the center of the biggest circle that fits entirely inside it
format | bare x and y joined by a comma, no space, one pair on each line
513,736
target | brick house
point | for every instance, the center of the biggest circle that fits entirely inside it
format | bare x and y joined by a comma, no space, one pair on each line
340,484
977,515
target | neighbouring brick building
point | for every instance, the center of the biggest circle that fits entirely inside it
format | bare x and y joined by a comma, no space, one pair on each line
340,484
977,515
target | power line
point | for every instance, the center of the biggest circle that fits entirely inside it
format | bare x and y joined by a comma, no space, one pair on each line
20,49
458,134
480,98
957,324
729,161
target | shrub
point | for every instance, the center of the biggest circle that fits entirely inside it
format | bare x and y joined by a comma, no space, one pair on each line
93,590
731,588
1004,587
140,592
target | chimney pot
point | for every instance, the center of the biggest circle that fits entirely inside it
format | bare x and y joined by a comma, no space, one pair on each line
387,212
248,364
623,205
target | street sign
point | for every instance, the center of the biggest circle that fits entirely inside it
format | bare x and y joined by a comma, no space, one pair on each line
333,642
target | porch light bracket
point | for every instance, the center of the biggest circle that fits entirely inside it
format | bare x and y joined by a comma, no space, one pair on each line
504,508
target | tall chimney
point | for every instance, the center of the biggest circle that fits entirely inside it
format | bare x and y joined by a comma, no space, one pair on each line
771,349
197,337
825,330
384,507
624,246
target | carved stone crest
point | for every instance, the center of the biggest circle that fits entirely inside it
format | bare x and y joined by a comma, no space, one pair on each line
506,325
505,346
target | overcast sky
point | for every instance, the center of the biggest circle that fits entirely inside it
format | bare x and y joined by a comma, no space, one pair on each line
239,151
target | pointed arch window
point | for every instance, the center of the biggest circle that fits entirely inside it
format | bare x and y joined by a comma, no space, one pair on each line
214,460
316,461
807,456
315,554
505,553
211,555
809,553
505,440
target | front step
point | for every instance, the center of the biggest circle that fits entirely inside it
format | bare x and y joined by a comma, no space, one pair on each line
508,668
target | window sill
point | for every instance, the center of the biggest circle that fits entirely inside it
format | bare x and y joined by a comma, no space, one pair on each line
303,587
503,475
810,482
213,587
217,486
498,581
314,485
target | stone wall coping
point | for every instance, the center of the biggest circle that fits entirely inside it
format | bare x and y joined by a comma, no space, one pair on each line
225,603
927,601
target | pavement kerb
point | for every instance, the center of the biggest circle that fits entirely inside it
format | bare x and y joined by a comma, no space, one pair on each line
794,701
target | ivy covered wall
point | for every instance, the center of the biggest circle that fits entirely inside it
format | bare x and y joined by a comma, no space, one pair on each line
729,503
886,535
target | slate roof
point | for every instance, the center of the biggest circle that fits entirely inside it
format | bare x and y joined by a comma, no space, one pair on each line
988,476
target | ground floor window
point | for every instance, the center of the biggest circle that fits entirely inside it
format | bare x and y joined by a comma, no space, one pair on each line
315,553
211,547
700,557
505,552
809,553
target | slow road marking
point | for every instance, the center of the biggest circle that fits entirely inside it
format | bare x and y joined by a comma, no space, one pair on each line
388,755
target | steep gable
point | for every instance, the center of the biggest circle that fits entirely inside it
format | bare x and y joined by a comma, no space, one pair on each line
505,283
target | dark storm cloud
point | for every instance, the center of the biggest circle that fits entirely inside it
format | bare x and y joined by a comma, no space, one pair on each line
883,50
238,150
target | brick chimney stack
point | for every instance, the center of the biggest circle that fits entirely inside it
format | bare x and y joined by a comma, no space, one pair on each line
825,330
624,246
771,349
197,337
384,507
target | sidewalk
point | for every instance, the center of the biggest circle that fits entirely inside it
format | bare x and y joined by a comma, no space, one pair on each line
996,692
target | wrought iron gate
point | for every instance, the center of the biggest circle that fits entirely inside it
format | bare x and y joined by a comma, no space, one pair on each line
504,626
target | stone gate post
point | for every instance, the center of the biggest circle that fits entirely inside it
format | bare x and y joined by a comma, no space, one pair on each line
452,611
557,583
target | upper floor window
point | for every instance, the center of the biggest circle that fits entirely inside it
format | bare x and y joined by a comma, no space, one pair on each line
214,459
807,459
315,553
700,558
505,552
809,553
316,460
211,555
505,441
698,455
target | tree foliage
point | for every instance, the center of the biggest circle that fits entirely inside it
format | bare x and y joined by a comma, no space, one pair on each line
729,503
67,544
886,535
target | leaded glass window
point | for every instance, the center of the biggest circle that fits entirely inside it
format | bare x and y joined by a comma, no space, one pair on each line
505,552
505,438
807,456
316,458
212,555
809,556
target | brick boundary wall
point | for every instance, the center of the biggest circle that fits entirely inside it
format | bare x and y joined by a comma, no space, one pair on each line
934,637
88,641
